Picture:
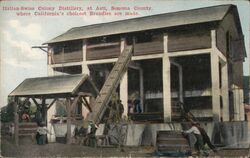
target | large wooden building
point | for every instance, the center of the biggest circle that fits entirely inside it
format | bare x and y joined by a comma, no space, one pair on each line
194,56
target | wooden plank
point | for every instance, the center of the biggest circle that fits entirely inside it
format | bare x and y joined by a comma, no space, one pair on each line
104,53
188,40
28,129
51,104
87,104
44,110
16,121
154,47
103,45
26,134
75,101
68,121
74,56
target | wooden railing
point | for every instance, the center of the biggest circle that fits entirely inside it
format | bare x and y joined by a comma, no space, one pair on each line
146,48
106,51
103,51
61,57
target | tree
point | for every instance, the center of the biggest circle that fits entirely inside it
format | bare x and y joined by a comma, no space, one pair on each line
7,112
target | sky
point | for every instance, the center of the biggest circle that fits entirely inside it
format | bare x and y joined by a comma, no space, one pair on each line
19,33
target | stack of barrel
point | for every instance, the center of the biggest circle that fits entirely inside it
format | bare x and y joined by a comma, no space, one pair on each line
172,143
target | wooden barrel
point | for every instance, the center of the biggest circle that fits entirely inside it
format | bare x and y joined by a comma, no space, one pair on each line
172,143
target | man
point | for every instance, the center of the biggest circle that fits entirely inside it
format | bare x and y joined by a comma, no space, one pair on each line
120,109
41,135
194,130
206,139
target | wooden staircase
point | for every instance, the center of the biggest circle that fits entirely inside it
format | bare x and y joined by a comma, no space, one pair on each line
111,84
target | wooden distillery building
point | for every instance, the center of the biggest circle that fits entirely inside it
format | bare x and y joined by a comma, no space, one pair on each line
194,56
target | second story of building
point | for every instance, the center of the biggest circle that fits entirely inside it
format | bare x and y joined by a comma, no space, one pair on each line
186,31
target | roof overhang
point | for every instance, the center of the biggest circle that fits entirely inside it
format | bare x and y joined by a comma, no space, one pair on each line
55,87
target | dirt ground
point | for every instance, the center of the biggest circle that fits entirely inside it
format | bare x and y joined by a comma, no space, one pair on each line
30,149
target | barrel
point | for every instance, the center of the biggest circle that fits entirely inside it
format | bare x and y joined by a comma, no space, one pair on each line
172,143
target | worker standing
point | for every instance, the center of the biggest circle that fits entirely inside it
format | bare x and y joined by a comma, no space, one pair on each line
41,135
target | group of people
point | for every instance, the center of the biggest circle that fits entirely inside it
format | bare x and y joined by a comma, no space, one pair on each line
134,106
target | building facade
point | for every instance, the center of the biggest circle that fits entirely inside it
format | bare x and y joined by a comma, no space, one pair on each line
194,56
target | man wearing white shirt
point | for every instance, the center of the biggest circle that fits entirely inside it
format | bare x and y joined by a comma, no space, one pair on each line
194,130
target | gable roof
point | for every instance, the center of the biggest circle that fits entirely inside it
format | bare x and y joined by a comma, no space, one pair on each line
54,86
195,16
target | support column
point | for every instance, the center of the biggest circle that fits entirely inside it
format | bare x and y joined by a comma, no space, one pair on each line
214,62
85,69
224,92
68,121
141,89
181,84
166,82
52,110
124,85
241,105
50,70
50,114
16,121
44,111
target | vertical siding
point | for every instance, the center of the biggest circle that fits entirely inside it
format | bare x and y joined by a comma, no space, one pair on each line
74,56
188,40
221,40
228,25
238,73
103,52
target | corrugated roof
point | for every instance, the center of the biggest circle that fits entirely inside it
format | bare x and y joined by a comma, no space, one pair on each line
201,15
67,84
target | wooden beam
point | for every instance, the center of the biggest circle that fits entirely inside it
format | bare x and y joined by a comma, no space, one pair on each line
34,100
84,94
67,64
44,110
103,45
25,101
189,52
87,104
68,121
75,101
94,86
51,103
16,121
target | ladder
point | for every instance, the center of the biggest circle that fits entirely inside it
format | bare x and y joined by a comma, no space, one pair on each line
111,84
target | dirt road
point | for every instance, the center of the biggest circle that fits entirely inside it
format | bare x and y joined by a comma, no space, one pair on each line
30,149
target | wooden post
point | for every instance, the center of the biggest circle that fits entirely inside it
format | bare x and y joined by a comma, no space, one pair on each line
85,69
44,111
124,84
68,121
16,121
214,64
224,92
141,88
166,81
